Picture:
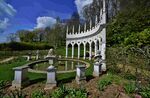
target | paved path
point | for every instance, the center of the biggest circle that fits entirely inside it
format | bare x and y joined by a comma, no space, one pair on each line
7,59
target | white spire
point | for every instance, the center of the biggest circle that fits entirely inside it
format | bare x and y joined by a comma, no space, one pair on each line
85,27
90,23
96,20
104,11
100,16
104,5
79,29
67,30
73,29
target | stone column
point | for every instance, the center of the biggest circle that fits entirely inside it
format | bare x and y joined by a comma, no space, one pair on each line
20,77
72,50
78,51
51,78
66,50
80,73
90,54
84,50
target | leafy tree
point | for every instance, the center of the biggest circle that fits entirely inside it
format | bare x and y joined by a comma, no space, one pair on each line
12,37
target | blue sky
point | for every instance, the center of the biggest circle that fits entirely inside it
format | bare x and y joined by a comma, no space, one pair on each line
29,14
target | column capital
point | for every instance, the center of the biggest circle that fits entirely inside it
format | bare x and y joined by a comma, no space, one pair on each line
79,43
73,44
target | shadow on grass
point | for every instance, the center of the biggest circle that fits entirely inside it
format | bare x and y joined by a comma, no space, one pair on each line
34,81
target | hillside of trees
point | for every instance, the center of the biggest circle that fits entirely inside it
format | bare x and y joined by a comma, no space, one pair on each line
128,21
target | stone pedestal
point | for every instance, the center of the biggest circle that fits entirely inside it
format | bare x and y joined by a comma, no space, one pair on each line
80,73
20,77
97,70
51,78
103,67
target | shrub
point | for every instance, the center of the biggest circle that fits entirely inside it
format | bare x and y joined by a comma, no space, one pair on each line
145,92
15,94
130,87
104,82
38,94
2,84
77,93
64,92
60,92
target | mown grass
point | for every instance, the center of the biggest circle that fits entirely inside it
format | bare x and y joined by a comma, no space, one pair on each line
6,72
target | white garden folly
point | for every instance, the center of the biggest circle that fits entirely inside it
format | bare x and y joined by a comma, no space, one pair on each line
96,35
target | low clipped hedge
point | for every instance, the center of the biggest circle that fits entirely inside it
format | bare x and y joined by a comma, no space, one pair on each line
23,46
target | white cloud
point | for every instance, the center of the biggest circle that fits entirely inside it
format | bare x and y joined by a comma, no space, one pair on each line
6,8
80,4
43,22
4,24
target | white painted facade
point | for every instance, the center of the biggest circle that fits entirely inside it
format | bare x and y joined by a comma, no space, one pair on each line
96,35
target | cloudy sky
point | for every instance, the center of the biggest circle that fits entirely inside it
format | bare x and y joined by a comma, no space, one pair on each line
30,14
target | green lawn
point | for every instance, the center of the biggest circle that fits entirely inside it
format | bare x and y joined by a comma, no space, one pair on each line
6,72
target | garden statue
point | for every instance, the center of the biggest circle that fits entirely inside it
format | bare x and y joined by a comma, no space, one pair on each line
37,54
50,52
51,57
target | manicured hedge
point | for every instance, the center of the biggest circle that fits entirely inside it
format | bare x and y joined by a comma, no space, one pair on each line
24,46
